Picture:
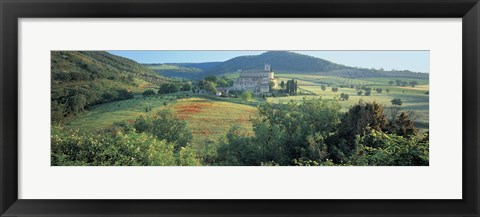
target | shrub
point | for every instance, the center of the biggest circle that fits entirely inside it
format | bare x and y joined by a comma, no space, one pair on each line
168,88
247,96
382,149
148,92
72,148
166,126
396,102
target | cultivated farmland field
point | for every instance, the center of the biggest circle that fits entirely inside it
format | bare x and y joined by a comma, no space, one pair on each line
414,98
209,120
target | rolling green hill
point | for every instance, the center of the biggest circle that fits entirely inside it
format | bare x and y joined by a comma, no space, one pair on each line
84,78
281,62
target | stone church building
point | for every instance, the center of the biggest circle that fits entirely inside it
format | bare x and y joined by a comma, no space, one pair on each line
256,81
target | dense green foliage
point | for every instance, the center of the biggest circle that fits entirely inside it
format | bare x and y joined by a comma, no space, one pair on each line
161,141
382,149
148,93
208,86
396,102
165,126
344,96
404,83
284,132
168,88
247,96
210,83
72,148
291,87
315,132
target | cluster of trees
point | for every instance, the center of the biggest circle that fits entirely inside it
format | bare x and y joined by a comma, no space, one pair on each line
69,101
360,89
344,96
173,87
207,86
367,91
168,88
396,102
148,93
290,87
158,141
315,132
403,83
210,83
219,81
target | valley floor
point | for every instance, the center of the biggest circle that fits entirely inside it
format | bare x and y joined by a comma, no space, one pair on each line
209,117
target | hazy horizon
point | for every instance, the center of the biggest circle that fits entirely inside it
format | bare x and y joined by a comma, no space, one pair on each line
416,61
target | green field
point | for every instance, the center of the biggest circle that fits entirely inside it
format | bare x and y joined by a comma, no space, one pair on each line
319,79
414,98
208,117
101,116
163,67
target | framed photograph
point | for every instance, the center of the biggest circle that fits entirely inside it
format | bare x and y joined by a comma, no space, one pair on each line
228,108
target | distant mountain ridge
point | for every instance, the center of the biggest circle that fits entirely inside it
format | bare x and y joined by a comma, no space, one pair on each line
281,62
203,66
174,69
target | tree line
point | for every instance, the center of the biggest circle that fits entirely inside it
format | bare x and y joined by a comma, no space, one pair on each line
403,83
290,87
69,101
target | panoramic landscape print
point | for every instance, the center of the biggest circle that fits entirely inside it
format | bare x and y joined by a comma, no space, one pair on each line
239,108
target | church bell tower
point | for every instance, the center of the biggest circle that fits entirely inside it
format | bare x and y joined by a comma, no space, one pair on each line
268,68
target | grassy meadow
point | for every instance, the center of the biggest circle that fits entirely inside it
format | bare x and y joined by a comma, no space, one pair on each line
414,98
210,119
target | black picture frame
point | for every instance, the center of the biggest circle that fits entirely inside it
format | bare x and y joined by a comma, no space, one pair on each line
12,10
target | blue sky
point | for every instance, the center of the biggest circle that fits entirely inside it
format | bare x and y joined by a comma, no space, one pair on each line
417,61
